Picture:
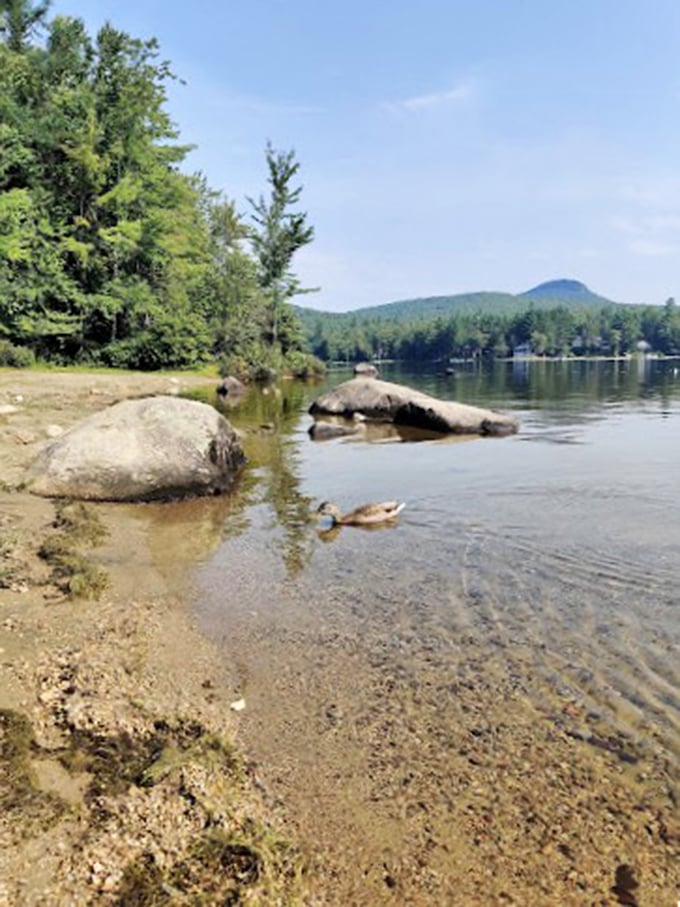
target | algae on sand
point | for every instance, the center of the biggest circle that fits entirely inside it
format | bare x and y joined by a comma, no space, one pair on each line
22,803
76,526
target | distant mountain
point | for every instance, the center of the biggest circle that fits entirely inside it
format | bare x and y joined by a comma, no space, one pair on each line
566,292
569,293
429,307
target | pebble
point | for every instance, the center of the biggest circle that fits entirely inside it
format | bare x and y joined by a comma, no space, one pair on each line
109,883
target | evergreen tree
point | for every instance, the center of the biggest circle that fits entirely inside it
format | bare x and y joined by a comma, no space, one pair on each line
279,233
19,19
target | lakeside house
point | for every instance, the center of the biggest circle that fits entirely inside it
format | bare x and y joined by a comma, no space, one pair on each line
522,350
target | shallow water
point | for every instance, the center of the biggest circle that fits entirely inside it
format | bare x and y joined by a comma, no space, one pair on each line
550,558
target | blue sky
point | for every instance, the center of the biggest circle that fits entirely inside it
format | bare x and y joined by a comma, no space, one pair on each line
446,146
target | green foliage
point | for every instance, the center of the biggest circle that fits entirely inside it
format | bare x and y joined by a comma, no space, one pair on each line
108,253
252,362
304,365
278,234
550,328
19,19
15,356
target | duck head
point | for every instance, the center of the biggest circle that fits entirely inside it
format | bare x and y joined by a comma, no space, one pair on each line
328,509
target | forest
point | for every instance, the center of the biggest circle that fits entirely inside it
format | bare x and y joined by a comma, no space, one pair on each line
110,254
558,330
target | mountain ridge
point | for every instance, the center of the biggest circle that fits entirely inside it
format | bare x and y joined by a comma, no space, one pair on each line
553,293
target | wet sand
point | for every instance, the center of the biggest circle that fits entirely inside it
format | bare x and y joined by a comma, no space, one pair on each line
119,778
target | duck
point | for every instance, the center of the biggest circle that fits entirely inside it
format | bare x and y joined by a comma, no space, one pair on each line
365,515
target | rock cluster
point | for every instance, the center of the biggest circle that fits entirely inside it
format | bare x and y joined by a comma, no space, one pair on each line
384,401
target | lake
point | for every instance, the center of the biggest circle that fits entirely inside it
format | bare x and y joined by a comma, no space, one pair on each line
530,583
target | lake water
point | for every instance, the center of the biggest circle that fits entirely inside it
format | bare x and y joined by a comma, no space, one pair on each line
549,559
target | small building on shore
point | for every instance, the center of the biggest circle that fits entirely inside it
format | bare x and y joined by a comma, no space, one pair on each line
522,350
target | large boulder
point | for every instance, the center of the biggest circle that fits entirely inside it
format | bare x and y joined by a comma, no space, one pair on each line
157,447
384,401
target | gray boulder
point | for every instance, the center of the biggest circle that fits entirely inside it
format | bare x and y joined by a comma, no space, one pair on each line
324,431
366,370
157,447
387,402
230,387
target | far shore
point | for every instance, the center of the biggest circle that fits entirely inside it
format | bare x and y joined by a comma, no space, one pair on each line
475,360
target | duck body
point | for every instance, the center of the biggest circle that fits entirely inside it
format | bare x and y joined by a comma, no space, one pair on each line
365,515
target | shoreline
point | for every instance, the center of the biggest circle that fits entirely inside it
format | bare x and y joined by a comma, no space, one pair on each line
120,771
125,754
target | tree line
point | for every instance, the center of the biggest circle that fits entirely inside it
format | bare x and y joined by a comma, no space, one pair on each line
109,253
560,331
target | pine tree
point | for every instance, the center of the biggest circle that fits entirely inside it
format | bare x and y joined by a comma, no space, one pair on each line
280,232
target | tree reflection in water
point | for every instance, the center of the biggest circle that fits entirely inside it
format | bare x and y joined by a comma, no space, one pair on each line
268,417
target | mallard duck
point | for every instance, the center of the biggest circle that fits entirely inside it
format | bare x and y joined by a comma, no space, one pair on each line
364,515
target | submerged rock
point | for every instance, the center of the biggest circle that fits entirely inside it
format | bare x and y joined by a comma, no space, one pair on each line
157,447
366,370
384,401
324,431
230,387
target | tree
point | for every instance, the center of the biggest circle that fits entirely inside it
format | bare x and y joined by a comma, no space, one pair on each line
108,252
19,19
279,233
240,310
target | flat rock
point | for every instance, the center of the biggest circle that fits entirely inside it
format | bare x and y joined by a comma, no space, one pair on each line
156,447
384,401
324,431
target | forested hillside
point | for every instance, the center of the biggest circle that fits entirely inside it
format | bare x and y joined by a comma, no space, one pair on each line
547,295
542,322
109,253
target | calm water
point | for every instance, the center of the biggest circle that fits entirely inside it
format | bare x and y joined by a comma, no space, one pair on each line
553,552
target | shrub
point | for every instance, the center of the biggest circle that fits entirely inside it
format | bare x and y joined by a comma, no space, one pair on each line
304,365
252,362
15,356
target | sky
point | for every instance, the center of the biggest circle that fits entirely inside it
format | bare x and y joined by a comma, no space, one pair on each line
445,146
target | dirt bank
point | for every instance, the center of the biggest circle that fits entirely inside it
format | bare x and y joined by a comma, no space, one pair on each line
119,779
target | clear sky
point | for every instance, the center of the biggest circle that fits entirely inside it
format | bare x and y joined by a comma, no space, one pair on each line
446,146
